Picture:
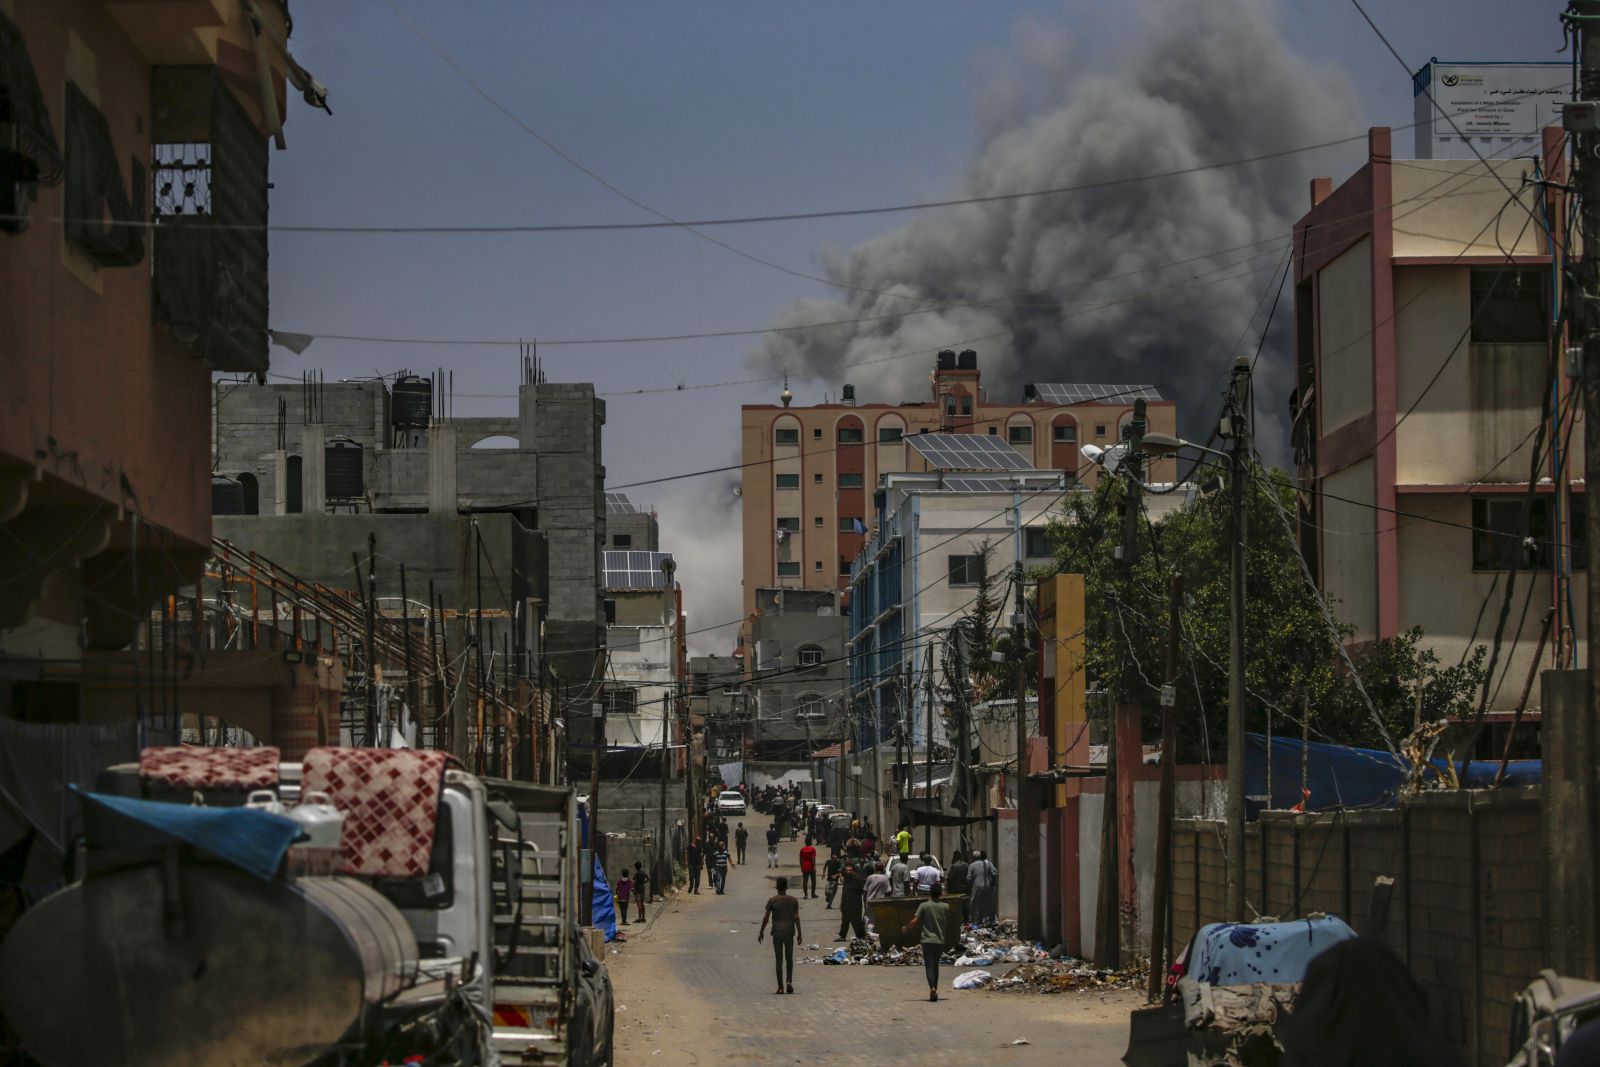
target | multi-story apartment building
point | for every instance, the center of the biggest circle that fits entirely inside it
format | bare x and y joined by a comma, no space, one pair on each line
809,473
1425,297
800,682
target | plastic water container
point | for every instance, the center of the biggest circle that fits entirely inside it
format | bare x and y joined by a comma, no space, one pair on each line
265,800
324,826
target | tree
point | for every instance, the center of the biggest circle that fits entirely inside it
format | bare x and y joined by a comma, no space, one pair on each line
1291,654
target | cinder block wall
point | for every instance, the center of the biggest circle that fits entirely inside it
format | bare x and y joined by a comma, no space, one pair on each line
1466,913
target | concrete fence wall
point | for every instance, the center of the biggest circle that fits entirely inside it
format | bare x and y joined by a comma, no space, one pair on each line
1467,911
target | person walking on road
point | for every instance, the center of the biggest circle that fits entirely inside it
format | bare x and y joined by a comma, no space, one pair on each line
772,845
623,892
852,898
983,884
902,843
932,916
641,887
831,872
784,912
708,853
741,838
876,888
694,863
719,874
808,870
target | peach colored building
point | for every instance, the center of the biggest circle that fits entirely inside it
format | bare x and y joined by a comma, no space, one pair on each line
809,472
1424,299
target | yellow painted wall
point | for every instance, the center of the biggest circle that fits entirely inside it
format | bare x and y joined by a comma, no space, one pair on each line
1441,207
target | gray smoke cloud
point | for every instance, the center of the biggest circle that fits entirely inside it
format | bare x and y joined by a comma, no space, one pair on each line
1202,83
700,526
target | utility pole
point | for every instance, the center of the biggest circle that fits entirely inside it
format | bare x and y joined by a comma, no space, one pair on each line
877,769
668,569
477,637
411,673
927,785
372,659
1027,836
1168,796
902,710
1236,426
958,764
1582,122
597,740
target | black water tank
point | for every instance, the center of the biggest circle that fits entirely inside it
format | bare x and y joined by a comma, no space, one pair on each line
968,360
412,401
849,396
343,474
947,360
227,496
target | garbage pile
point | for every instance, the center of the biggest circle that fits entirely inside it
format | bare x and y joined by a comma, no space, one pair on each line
1066,975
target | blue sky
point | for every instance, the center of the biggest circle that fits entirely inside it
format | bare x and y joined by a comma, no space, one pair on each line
698,109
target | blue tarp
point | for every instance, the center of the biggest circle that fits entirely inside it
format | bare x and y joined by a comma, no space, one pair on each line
252,840
604,912
1275,953
1342,776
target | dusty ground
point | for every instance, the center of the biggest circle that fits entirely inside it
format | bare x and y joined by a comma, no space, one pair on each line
696,988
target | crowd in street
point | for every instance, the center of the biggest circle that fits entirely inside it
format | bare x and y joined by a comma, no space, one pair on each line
860,867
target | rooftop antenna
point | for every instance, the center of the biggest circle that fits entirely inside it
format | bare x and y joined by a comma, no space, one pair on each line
786,396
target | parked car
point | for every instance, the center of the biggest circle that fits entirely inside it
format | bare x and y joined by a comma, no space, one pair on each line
730,802
592,1029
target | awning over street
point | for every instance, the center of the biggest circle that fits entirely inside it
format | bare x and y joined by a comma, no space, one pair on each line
927,811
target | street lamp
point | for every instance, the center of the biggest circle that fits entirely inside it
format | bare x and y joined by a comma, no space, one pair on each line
1164,444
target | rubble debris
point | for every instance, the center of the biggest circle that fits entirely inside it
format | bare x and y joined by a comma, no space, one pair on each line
1066,975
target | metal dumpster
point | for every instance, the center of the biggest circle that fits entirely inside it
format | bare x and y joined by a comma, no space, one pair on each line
891,913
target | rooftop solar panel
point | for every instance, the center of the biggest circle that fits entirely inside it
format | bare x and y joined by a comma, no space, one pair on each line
1093,393
968,452
632,570
619,502
964,483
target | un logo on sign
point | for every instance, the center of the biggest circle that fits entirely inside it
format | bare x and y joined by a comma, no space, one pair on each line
1451,79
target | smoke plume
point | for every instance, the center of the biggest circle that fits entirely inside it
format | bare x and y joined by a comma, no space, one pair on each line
700,527
1124,283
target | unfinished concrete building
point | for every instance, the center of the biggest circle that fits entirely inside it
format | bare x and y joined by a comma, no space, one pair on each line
497,521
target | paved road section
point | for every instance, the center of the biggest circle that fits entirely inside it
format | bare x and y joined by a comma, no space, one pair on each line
696,988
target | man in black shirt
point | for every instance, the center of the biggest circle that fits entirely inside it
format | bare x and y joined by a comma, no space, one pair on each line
641,887
955,879
784,911
741,837
830,873
852,903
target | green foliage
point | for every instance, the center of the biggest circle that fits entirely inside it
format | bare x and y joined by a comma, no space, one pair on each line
1291,657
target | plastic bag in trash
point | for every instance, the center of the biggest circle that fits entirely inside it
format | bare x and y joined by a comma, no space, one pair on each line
974,961
840,955
972,979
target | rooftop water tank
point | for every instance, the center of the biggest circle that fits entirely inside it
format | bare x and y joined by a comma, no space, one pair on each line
343,471
412,401
227,496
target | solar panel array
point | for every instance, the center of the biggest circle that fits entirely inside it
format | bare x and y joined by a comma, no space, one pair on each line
976,484
968,452
1093,393
619,502
632,570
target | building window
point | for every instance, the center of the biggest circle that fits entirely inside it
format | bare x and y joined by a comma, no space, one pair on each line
1100,429
994,431
1020,435
1067,433
810,706
849,435
847,524
810,655
789,568
817,522
624,701
790,523
888,435
1511,533
622,540
965,570
610,607
1510,306
850,481
816,479
816,434
1037,542
819,565
844,567
966,405
788,481
787,436
950,405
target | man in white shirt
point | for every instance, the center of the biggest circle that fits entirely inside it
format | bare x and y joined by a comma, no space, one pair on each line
926,876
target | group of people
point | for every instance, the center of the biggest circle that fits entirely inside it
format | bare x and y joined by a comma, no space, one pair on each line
710,853
631,886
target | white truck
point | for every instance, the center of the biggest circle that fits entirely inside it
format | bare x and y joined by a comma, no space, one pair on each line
180,958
